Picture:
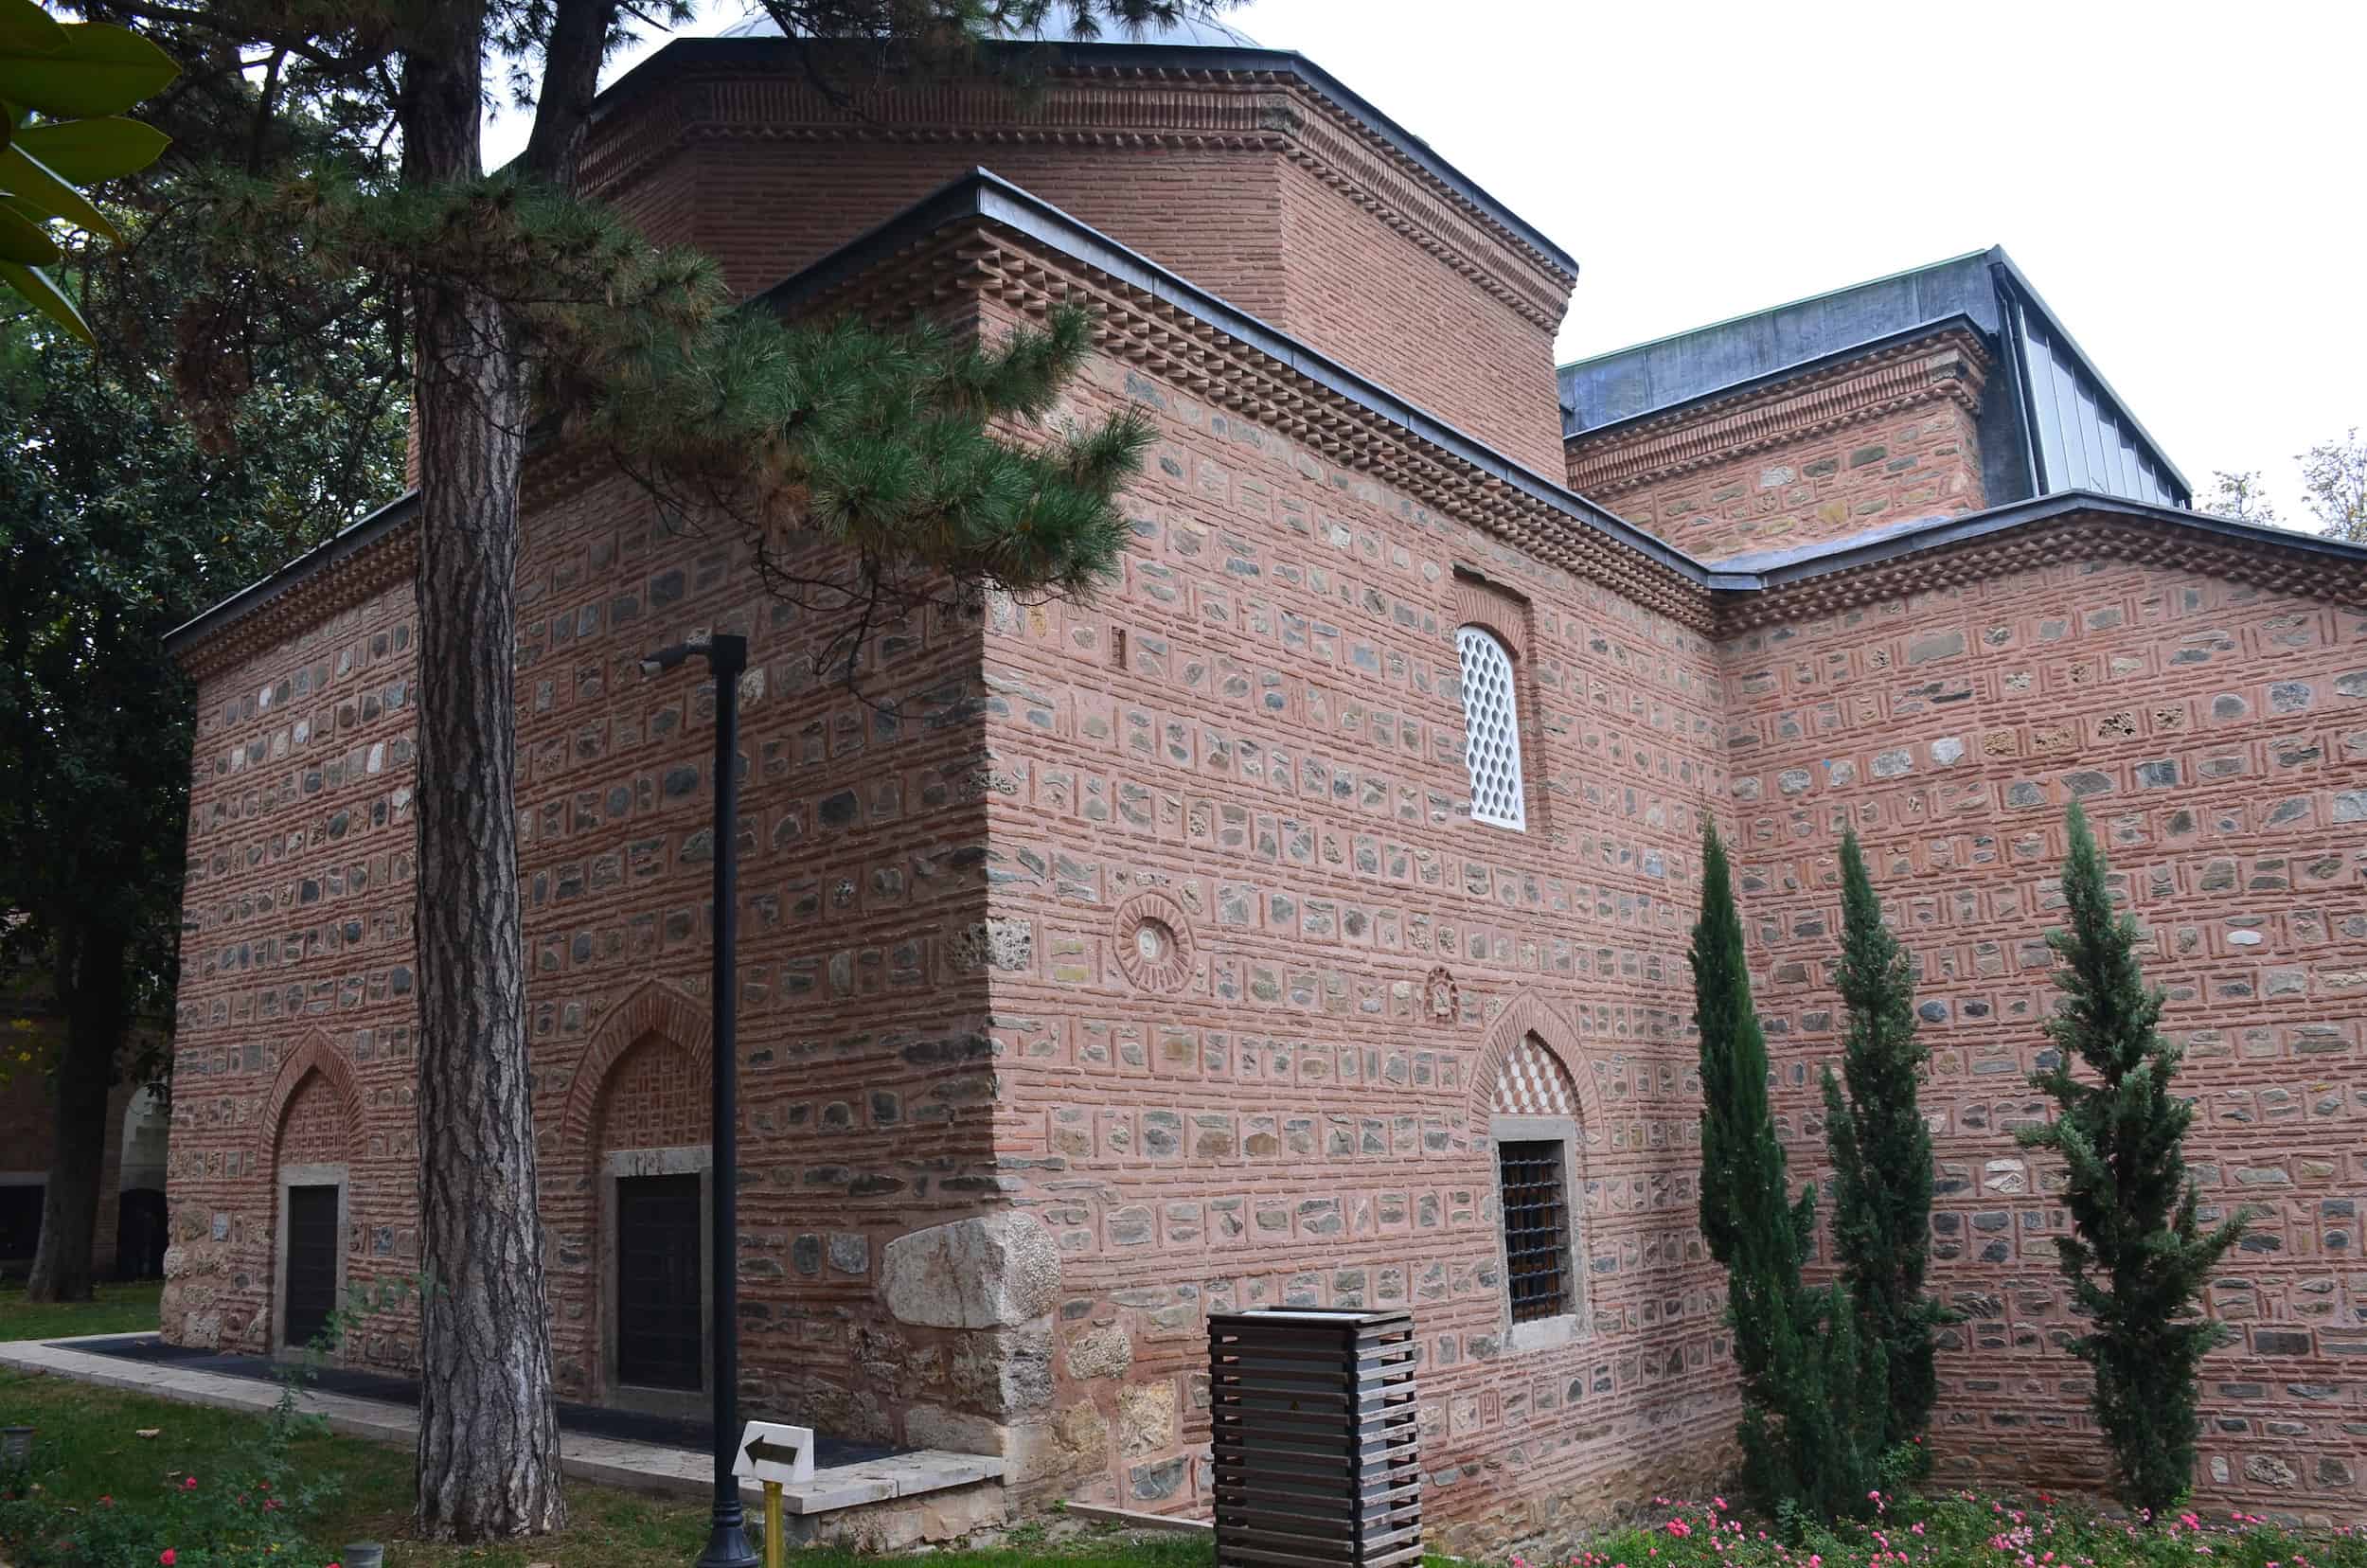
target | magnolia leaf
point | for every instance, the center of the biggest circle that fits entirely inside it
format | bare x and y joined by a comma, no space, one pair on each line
101,69
25,27
24,242
41,291
27,178
84,151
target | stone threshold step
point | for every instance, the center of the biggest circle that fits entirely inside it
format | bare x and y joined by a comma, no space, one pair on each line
604,1461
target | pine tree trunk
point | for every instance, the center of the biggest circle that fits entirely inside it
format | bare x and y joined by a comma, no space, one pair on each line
489,1418
92,988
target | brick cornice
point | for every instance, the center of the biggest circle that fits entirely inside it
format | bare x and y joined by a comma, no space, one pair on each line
1105,108
1951,366
1169,339
2068,537
386,559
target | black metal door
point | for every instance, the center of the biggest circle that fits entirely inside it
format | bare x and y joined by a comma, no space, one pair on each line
312,1263
659,1309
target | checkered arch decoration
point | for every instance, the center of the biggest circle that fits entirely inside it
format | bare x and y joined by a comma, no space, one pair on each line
1533,1082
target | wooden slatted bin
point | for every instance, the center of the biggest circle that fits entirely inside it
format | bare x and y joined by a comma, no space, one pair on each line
1315,1438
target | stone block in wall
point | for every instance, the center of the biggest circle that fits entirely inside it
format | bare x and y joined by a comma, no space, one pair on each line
987,1271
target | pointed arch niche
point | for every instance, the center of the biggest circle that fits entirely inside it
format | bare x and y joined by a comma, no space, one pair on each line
312,1120
1539,1104
637,1129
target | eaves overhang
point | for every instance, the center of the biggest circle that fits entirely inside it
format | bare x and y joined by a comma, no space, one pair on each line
1749,587
1940,533
982,196
342,546
688,54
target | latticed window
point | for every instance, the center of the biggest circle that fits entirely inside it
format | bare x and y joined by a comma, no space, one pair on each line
1537,1229
1492,729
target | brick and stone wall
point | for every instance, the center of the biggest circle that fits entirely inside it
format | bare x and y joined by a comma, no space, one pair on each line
295,1013
1266,972
1883,438
1104,964
2217,736
864,1081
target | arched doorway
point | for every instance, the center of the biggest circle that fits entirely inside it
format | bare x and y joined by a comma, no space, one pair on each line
140,1230
628,1207
655,1169
312,1120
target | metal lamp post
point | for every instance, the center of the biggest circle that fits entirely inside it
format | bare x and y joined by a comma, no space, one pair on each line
727,657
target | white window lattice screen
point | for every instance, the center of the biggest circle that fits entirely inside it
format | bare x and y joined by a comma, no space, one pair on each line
1492,725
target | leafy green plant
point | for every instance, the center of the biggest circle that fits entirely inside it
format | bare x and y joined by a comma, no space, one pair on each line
79,78
1965,1529
246,1514
2137,1258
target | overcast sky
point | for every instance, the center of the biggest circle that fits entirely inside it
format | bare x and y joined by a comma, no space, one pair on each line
2180,181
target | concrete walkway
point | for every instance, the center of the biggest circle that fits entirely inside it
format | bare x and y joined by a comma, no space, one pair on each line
604,1461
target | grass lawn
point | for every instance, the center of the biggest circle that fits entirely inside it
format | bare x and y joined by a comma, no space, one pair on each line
119,1309
87,1445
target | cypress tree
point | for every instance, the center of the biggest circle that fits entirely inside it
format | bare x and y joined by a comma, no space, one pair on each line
2138,1258
1882,1153
1812,1388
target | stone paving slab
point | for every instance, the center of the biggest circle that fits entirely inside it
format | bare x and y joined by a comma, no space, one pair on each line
605,1461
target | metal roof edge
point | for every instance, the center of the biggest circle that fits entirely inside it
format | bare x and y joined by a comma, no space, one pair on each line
1197,56
1965,527
2000,262
1771,310
1789,372
985,195
353,537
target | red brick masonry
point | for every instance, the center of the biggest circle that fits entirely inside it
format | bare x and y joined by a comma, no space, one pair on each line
1149,944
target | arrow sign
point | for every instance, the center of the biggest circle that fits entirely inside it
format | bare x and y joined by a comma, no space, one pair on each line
778,1454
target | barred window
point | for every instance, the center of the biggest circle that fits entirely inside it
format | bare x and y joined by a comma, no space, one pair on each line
1492,729
1537,1229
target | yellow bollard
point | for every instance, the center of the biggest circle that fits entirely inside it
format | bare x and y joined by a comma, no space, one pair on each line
773,1549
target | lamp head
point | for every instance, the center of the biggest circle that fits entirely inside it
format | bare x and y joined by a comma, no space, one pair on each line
668,658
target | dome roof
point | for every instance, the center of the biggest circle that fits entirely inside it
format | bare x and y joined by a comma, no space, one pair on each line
1060,27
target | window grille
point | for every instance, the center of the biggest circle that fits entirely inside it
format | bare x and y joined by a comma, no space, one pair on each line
1537,1229
1492,729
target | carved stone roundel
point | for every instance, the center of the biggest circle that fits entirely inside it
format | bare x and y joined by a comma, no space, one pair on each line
1154,943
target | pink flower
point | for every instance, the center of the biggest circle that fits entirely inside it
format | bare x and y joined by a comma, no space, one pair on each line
1676,1527
166,1556
189,1483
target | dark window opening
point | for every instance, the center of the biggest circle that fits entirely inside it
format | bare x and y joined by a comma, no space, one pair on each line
20,1222
1537,1229
660,1312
